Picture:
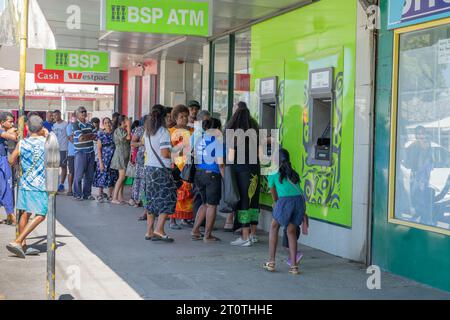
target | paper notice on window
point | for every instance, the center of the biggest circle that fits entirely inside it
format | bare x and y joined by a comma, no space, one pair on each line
444,51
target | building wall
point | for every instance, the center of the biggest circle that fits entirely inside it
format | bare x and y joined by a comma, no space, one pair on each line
410,252
178,77
323,34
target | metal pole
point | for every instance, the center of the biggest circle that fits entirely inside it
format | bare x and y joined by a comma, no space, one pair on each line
51,246
52,180
23,73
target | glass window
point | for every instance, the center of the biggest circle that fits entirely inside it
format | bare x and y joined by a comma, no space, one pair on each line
242,67
197,82
422,177
221,67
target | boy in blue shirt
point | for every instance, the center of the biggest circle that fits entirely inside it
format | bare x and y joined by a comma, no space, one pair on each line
32,196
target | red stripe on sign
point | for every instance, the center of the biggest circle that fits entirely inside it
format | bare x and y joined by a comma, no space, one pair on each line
47,76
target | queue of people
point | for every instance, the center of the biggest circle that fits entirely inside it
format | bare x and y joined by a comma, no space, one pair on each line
156,152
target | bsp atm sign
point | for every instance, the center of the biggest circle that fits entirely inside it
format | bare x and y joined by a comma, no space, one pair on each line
74,60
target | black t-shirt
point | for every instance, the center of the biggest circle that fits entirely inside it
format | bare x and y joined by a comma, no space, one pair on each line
249,154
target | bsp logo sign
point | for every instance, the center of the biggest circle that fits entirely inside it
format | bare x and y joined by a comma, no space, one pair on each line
73,60
155,16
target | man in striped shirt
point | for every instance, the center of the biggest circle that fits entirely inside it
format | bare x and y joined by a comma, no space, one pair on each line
83,140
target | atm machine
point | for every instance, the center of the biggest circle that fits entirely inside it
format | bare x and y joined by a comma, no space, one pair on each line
268,99
321,104
268,106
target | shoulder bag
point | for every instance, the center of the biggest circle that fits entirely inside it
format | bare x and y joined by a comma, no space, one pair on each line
173,174
188,172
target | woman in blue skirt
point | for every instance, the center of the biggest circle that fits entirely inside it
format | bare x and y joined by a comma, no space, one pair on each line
289,209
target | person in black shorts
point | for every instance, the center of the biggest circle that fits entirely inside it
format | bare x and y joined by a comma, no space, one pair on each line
208,150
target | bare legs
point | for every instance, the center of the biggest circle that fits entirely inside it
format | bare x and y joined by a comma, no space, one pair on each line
208,212
160,224
110,192
70,183
253,229
245,233
150,223
273,241
292,237
26,227
118,189
63,174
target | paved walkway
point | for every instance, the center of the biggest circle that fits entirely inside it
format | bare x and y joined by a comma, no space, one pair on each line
105,245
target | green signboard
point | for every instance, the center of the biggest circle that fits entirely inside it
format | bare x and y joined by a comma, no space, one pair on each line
157,16
75,60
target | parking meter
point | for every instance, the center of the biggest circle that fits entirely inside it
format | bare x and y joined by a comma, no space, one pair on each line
52,159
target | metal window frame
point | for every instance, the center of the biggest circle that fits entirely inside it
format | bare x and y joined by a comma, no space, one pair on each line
394,124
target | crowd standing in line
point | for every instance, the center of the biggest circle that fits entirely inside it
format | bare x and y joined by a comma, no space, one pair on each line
153,152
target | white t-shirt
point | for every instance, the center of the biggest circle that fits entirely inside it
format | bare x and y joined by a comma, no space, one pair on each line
61,134
161,140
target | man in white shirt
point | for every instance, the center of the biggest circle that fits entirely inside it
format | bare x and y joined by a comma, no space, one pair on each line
59,128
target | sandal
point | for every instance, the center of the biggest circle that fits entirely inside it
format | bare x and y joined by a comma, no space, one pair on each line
165,238
294,270
212,239
228,227
196,237
16,249
269,266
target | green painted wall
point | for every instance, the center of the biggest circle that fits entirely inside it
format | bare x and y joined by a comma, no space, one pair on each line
319,35
413,253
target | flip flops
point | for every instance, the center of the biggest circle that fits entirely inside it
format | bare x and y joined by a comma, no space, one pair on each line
196,237
211,240
165,238
175,226
228,227
16,249
29,251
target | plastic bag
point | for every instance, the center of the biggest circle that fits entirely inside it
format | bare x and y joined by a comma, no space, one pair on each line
230,192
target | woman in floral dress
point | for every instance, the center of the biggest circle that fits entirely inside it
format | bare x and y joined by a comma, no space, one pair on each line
105,177
138,189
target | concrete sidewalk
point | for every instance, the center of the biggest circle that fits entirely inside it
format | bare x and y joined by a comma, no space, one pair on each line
26,279
105,243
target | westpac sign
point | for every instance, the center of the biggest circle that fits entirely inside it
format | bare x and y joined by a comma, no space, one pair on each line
402,13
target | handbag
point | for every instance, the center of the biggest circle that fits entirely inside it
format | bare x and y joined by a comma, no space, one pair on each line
131,170
174,173
230,191
188,172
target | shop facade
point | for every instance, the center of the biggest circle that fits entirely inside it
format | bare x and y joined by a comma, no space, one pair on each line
298,72
411,225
